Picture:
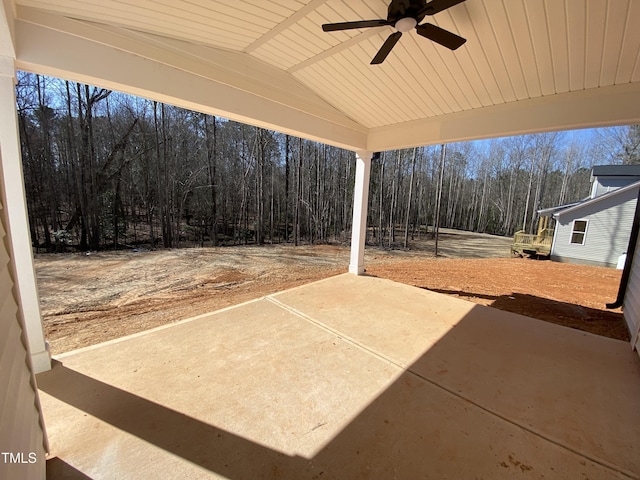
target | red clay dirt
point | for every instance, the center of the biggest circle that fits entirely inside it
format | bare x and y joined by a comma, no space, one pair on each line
570,295
88,299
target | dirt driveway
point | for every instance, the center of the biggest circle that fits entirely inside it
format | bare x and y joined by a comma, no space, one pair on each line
87,299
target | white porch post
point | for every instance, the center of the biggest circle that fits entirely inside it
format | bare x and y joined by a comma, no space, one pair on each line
16,213
360,201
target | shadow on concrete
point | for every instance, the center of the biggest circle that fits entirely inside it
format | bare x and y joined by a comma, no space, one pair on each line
209,447
61,470
600,322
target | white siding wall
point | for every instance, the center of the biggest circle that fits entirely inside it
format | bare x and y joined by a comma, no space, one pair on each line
609,184
631,306
607,235
21,427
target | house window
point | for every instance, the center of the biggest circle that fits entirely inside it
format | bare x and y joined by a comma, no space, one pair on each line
579,232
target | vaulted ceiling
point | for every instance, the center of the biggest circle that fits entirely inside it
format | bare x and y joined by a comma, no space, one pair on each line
527,65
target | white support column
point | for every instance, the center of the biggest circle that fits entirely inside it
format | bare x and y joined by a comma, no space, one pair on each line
18,223
360,201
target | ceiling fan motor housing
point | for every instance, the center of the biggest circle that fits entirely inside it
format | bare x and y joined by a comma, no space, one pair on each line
400,9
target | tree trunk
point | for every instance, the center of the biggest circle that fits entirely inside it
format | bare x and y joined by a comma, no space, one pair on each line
286,188
211,141
526,203
296,234
381,203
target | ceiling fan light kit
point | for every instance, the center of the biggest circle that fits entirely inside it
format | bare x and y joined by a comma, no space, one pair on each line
404,16
405,24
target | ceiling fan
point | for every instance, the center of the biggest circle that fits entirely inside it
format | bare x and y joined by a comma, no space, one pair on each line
404,15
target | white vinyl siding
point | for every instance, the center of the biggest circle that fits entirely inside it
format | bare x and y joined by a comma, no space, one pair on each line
21,427
631,306
608,230
602,185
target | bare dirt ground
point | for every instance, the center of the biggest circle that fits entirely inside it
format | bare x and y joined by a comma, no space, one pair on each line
87,299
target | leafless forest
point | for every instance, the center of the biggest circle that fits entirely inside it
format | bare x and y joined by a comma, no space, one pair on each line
105,170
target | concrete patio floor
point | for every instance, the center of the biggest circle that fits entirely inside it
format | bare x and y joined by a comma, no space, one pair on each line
347,378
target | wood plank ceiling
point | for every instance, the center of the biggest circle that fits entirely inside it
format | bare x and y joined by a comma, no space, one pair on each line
516,50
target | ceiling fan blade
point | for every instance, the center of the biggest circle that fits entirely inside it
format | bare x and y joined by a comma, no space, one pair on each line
437,6
389,43
441,36
333,27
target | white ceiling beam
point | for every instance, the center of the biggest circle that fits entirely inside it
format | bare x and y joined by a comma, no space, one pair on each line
179,80
597,107
7,19
335,49
292,20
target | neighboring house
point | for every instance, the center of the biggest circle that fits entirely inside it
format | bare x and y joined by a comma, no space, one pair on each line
607,178
596,230
628,297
